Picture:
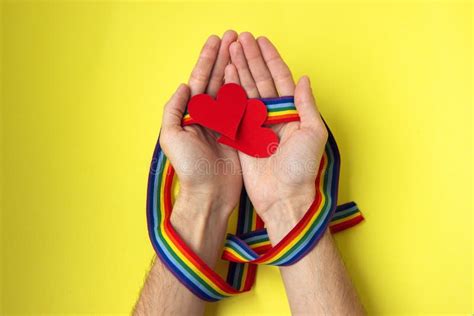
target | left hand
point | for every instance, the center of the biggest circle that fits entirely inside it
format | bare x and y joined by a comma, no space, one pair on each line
206,169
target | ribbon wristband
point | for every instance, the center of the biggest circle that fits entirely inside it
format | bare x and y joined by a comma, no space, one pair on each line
250,245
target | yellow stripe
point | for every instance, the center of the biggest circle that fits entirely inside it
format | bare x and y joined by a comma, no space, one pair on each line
341,220
175,249
270,114
253,225
262,243
287,112
295,240
235,254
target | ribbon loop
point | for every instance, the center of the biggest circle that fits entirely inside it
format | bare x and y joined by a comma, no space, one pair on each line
250,245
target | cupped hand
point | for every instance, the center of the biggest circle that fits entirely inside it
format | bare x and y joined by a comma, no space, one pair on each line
204,167
285,180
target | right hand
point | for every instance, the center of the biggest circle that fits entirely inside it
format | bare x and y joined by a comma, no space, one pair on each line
281,186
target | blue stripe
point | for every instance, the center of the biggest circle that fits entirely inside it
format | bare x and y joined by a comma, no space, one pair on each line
258,232
242,249
277,100
342,214
345,206
256,238
280,105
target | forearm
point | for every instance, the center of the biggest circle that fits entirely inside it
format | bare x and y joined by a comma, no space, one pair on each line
318,284
162,293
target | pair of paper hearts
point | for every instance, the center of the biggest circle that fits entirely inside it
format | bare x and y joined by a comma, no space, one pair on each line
239,120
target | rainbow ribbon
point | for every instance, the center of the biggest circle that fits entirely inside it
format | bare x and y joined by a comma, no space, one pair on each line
250,245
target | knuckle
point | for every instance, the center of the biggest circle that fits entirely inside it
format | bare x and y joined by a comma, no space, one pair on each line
198,76
249,86
252,91
274,58
241,66
206,58
282,76
216,79
264,78
322,130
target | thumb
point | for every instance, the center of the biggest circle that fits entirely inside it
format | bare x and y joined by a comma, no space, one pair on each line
174,109
305,104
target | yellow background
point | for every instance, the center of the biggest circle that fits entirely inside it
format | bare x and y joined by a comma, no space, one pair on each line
83,85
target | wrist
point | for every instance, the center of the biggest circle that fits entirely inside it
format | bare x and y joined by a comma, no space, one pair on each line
203,204
285,213
218,197
201,221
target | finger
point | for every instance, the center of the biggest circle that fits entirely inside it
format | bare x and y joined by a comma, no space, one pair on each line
260,73
174,109
238,59
280,72
223,57
202,71
305,104
231,74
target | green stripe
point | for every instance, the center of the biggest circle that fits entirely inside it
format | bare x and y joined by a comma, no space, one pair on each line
339,216
286,108
256,241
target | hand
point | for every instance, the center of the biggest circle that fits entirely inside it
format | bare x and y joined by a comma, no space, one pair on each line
285,180
282,187
206,169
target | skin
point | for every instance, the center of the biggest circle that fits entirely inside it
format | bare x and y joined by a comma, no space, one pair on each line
280,187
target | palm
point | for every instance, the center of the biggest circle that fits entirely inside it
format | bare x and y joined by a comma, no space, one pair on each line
293,166
217,165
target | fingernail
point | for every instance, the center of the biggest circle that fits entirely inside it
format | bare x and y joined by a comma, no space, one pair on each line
181,87
229,33
213,40
307,80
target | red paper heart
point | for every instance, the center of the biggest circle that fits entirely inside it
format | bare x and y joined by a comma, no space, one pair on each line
252,138
222,115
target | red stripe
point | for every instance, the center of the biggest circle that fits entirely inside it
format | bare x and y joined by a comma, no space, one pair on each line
261,249
250,279
259,223
188,121
282,119
346,224
270,120
230,257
